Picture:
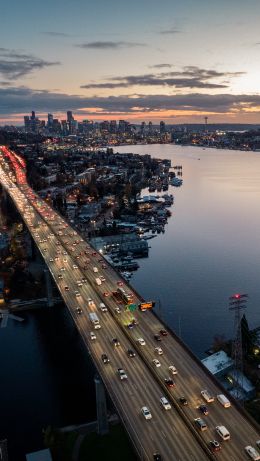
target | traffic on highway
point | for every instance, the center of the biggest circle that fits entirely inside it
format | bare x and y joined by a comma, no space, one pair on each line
170,405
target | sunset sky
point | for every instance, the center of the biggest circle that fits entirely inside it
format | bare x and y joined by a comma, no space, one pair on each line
136,60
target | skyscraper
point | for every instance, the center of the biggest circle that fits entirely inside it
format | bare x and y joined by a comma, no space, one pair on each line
162,127
50,121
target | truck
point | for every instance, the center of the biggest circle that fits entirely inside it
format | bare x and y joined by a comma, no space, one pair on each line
94,320
98,281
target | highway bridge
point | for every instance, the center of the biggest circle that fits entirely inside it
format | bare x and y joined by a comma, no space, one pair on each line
171,433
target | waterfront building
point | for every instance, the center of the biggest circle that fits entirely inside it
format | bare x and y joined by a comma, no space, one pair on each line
223,368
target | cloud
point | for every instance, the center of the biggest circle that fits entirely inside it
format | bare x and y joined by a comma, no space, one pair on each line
160,66
57,34
106,45
14,64
171,31
17,100
189,77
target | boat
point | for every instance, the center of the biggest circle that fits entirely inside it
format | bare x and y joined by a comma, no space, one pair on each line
176,182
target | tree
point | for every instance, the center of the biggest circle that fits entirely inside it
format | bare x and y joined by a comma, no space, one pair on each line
247,338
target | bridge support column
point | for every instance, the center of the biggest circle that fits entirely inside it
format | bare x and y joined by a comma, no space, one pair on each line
48,288
103,427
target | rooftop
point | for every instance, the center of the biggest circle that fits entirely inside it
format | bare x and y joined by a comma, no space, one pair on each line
217,362
42,455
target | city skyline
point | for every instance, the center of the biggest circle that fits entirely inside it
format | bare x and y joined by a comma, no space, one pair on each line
148,61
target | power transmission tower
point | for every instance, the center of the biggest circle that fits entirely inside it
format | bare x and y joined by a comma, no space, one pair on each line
237,302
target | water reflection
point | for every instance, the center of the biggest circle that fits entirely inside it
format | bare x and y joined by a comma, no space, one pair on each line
211,247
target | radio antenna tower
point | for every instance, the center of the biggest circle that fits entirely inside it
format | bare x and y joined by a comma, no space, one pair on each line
206,123
237,302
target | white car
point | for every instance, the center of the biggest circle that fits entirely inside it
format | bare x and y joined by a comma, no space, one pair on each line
103,307
156,363
77,294
173,370
252,453
164,402
102,278
146,412
122,374
158,350
207,396
91,302
141,341
92,335
79,283
74,266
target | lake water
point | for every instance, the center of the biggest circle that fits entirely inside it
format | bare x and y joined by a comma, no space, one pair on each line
210,250
211,246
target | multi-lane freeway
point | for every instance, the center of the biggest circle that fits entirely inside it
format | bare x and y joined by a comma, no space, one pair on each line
171,433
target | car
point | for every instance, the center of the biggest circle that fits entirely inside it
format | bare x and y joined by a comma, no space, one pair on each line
141,341
79,310
65,260
146,412
115,342
157,457
94,253
56,258
122,374
79,283
214,445
74,266
169,382
66,288
104,266
173,370
105,358
51,260
203,409
130,353
90,302
102,278
183,400
165,403
62,268
120,283
156,363
84,280
157,337
60,276
103,307
117,310
207,396
163,332
158,350
200,423
252,452
77,294
106,294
